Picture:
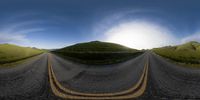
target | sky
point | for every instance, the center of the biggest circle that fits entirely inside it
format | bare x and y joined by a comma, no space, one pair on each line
140,24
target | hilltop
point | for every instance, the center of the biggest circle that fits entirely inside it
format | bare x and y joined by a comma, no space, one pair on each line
96,46
11,53
97,52
185,53
190,46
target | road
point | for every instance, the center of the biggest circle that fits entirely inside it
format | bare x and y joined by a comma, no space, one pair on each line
146,77
170,81
28,81
98,79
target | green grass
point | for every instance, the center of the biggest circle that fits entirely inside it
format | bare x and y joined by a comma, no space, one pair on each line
188,53
96,46
11,53
97,53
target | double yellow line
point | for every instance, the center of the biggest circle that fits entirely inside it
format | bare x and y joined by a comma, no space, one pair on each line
65,93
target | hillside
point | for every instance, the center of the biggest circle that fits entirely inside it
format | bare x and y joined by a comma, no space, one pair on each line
11,53
97,52
190,46
186,53
96,46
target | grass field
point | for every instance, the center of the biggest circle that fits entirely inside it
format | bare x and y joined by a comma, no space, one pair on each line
97,53
11,53
188,53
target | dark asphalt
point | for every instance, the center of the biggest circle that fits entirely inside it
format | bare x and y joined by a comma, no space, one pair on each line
28,81
166,81
99,79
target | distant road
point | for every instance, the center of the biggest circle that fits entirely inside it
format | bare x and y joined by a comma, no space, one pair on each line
146,77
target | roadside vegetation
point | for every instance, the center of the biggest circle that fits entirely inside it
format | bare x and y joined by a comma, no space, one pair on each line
188,53
97,53
11,53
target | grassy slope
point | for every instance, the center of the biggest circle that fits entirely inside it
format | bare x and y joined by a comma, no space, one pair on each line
97,52
11,53
188,53
96,46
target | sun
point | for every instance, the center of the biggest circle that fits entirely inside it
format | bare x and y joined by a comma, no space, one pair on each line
139,35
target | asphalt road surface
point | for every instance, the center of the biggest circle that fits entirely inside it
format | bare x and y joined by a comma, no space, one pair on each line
98,79
38,80
28,81
169,81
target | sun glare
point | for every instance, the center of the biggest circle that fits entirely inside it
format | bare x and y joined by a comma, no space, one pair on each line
139,35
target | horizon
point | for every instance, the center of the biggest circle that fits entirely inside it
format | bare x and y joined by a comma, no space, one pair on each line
99,41
138,24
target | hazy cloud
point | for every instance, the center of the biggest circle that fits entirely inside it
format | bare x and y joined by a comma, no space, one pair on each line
115,18
193,37
140,35
12,38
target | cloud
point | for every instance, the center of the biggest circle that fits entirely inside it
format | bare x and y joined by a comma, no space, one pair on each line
10,38
17,36
116,17
16,33
140,35
33,30
193,37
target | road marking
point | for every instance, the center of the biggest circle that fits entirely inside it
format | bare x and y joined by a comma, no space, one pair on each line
99,94
137,89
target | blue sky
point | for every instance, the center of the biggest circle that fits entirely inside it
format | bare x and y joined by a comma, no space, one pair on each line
134,23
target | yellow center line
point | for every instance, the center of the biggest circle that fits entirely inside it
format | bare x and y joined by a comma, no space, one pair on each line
99,94
117,95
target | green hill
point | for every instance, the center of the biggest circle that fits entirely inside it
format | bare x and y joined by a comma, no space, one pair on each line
97,52
186,53
190,46
11,53
96,46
